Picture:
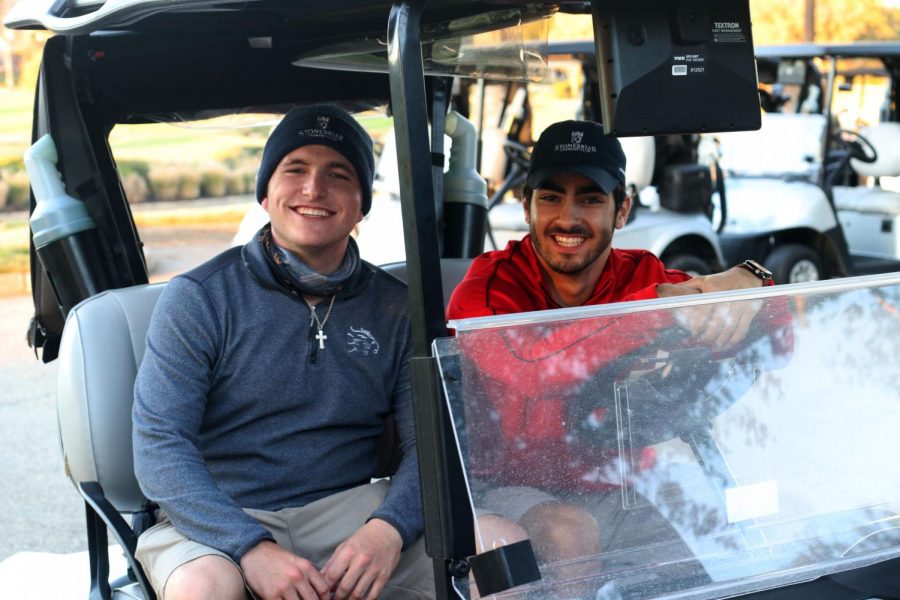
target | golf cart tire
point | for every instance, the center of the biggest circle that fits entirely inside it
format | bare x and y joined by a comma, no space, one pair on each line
794,263
693,265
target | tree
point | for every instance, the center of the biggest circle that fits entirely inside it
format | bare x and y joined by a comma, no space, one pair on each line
20,52
781,21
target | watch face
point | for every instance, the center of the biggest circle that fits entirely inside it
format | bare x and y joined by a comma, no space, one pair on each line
757,269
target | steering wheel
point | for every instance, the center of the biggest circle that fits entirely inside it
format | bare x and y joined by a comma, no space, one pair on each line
771,102
519,159
659,393
857,146
517,154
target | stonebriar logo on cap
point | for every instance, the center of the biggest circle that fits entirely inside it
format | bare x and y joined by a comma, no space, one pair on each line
578,147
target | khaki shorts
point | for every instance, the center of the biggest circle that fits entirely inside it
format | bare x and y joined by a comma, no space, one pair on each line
620,528
312,531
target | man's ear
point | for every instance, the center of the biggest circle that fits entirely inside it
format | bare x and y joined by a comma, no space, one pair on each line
265,204
526,206
624,210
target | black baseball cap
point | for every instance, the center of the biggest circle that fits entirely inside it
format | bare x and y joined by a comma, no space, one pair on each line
578,147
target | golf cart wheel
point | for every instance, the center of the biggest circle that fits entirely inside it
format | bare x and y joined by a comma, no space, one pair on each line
692,265
794,263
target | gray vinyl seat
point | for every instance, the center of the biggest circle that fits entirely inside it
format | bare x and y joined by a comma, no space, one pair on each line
101,349
452,272
885,138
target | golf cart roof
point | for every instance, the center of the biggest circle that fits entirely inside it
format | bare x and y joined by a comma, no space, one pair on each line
201,59
883,50
314,19
838,50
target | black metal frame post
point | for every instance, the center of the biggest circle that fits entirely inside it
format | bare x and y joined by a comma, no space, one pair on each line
102,517
449,533
439,89
88,170
414,164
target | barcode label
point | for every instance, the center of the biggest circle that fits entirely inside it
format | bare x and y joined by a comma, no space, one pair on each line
679,70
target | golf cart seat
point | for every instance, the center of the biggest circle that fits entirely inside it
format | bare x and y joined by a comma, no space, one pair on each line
867,200
102,346
787,145
885,138
452,272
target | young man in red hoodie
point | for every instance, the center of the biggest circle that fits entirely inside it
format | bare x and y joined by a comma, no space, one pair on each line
574,201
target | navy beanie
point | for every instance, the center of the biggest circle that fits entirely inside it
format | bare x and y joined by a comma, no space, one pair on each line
326,125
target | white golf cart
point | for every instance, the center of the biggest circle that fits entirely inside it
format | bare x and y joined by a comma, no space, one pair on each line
770,455
802,194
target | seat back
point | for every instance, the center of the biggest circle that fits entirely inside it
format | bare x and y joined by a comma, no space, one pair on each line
452,272
786,144
885,137
102,346
640,153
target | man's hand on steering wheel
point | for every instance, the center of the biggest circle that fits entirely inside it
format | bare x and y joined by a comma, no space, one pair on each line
721,325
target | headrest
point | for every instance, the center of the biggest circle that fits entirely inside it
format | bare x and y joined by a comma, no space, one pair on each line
885,137
785,144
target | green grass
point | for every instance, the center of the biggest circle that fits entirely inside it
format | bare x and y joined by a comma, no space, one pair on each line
14,260
14,233
184,143
13,246
15,124
187,143
209,216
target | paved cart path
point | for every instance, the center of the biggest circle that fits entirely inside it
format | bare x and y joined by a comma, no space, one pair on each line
42,533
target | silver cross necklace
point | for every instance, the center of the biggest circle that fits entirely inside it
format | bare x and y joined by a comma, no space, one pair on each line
320,335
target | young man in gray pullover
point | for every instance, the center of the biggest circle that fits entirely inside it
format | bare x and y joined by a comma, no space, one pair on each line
268,376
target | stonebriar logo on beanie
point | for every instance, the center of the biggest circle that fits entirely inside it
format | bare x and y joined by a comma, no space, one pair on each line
578,147
326,125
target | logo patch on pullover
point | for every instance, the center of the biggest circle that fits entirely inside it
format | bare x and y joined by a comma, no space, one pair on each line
361,340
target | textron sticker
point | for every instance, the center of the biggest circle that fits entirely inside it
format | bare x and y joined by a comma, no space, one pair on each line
728,32
688,64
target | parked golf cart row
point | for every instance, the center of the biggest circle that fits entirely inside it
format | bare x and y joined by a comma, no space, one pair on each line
794,193
801,194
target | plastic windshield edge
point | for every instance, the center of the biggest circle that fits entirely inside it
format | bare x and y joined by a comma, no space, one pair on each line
623,308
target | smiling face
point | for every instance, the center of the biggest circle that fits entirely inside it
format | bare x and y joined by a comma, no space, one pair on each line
571,221
314,200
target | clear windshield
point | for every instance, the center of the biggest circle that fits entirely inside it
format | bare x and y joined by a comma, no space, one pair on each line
708,468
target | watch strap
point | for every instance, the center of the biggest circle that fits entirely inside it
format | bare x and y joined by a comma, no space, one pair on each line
757,269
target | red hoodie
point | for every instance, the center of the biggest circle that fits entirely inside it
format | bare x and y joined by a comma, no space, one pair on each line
528,378
510,281
533,445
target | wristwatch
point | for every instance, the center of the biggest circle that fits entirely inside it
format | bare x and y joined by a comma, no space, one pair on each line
757,269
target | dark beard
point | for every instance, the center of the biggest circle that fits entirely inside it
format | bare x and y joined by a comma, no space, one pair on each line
575,264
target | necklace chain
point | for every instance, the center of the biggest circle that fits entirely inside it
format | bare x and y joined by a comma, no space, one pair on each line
320,324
